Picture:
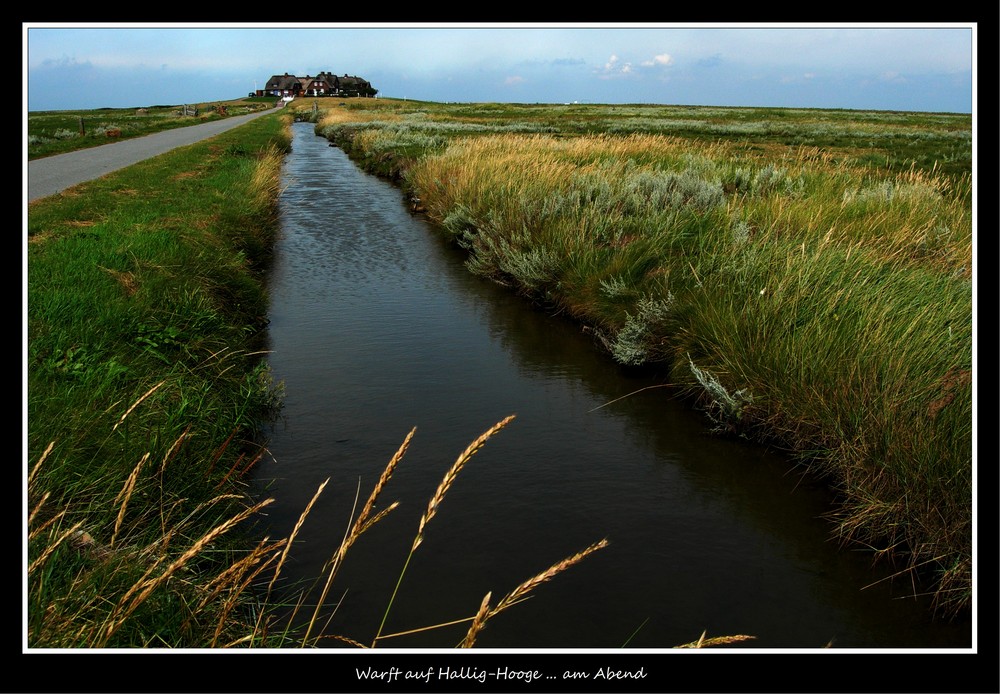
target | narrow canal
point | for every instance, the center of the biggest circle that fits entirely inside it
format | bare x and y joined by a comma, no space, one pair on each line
377,328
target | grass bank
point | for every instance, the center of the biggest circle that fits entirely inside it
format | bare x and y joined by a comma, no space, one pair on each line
145,385
805,275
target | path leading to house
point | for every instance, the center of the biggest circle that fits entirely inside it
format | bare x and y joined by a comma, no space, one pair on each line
51,175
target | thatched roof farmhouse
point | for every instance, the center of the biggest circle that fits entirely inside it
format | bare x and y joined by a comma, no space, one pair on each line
323,84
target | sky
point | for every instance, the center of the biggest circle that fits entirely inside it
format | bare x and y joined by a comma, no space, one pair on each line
899,67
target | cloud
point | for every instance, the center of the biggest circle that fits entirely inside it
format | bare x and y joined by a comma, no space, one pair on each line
805,76
64,62
615,67
662,59
513,79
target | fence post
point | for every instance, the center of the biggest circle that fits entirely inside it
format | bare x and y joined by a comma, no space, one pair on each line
82,131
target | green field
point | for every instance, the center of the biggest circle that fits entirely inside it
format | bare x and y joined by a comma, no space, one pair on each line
55,132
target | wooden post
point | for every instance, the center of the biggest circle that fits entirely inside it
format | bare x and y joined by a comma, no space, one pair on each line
82,131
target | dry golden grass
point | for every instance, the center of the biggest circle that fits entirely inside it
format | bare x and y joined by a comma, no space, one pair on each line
521,592
53,545
124,495
452,474
907,218
703,642
141,590
477,622
294,533
364,520
136,404
341,116
435,502
265,181
362,523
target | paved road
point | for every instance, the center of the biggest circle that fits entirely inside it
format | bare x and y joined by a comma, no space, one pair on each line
51,175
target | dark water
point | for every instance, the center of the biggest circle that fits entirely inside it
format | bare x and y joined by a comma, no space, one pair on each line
377,327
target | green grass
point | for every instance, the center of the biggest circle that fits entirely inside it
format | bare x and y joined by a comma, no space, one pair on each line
57,132
146,311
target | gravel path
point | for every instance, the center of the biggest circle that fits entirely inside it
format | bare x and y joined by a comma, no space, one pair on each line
51,175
